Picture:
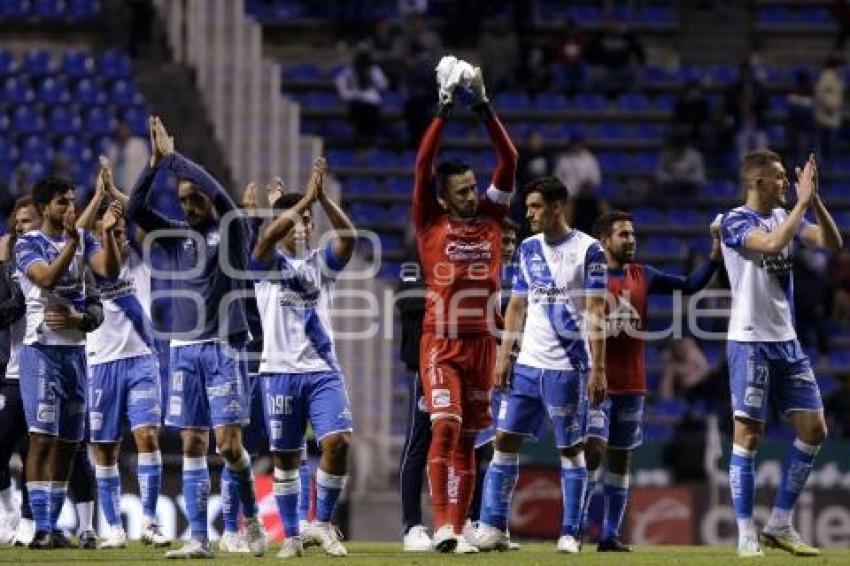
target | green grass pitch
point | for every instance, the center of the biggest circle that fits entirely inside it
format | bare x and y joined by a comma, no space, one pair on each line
389,554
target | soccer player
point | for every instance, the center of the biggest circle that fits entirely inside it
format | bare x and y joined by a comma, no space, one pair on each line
559,290
300,373
52,261
208,383
124,384
459,241
766,362
615,428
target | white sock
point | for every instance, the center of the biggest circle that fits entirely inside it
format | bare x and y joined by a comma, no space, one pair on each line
779,519
7,500
85,514
746,528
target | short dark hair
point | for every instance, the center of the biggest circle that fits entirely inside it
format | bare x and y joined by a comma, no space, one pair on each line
47,188
550,188
605,224
755,164
448,168
287,201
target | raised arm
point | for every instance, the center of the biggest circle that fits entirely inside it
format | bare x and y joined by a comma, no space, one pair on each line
504,176
824,234
662,283
105,261
34,265
425,205
88,218
346,234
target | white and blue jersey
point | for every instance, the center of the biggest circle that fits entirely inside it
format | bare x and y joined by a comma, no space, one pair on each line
765,359
550,376
300,374
124,382
53,362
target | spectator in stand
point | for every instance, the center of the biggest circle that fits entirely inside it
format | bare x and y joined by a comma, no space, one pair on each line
811,299
536,71
499,48
684,367
577,167
360,85
837,408
417,89
800,118
616,55
585,207
128,155
692,114
570,56
385,44
829,107
680,172
746,105
535,160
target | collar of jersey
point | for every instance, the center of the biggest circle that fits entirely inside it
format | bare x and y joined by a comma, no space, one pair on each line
563,240
55,240
757,213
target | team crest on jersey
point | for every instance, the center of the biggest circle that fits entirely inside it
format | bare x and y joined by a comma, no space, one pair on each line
624,315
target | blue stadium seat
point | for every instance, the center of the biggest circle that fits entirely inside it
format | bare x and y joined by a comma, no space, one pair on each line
399,185
392,100
360,186
591,102
368,213
514,100
17,91
8,150
650,131
614,160
647,215
63,121
47,9
814,15
37,63
658,14
775,15
663,245
322,99
634,101
723,74
137,118
585,14
89,93
53,91
665,102
76,10
688,216
123,93
8,65
74,148
341,158
78,64
98,122
27,120
382,158
303,71
14,9
779,103
456,130
550,101
33,149
645,161
612,131
115,65
339,129
653,74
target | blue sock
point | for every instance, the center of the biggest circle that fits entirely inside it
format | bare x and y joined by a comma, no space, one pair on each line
109,493
742,482
616,491
795,471
39,496
243,476
149,471
328,490
196,490
499,485
287,488
573,483
229,501
58,492
305,478
593,477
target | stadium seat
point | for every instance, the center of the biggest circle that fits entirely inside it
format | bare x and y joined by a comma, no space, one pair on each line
514,100
76,10
89,93
115,65
53,91
47,9
633,101
14,9
322,100
382,158
78,64
34,150
74,148
63,121
341,158
303,71
8,151
37,63
590,102
663,245
8,65
360,186
392,100
550,101
123,93
137,118
26,120
98,122
17,91
647,215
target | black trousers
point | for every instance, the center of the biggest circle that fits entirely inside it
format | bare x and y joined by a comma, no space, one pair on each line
414,457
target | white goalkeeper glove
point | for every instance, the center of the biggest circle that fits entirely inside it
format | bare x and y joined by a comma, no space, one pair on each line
446,81
476,85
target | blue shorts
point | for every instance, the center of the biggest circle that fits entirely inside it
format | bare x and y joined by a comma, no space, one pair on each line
290,399
537,393
618,421
486,436
123,392
254,435
207,387
53,388
776,371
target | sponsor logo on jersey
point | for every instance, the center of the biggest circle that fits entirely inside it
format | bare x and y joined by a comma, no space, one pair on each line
542,293
45,413
115,289
468,251
777,264
624,315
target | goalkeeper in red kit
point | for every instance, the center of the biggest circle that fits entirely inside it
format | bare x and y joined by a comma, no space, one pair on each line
459,239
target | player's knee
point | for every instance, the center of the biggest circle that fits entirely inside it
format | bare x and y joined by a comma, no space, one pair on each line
593,451
445,434
573,452
147,439
748,433
815,434
336,447
507,442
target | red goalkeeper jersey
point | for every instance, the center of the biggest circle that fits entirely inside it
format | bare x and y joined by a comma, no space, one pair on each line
461,258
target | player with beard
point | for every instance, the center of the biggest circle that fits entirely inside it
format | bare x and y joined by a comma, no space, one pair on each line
614,430
459,242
